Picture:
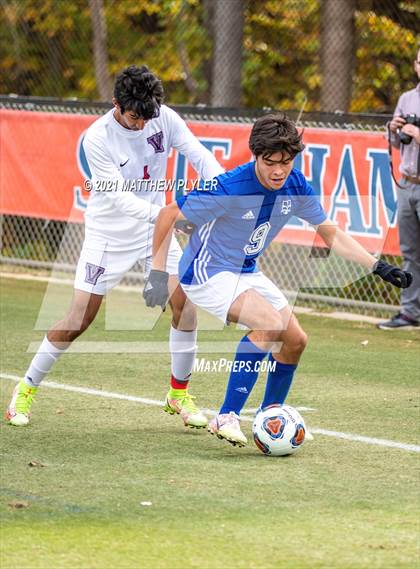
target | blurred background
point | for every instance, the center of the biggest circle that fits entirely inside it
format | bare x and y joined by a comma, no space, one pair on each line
343,62
346,55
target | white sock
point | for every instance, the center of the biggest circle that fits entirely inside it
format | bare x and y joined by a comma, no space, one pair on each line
183,348
42,362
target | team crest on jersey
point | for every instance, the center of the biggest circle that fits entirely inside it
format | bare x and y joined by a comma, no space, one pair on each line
156,140
286,207
93,272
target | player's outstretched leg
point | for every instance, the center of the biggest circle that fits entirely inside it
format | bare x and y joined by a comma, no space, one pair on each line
82,312
183,348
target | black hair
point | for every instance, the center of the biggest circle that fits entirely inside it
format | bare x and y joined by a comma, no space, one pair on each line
275,133
138,90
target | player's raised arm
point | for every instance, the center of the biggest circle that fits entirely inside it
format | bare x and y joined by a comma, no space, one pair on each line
348,248
156,291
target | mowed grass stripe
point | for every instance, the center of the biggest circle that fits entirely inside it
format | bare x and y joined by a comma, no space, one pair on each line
112,395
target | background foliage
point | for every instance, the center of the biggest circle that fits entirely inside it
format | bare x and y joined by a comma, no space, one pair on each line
46,49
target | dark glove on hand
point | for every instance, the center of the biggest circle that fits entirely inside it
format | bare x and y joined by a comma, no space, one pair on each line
184,226
393,275
156,292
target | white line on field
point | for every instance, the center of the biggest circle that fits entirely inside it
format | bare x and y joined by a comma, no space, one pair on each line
146,401
370,440
125,397
90,391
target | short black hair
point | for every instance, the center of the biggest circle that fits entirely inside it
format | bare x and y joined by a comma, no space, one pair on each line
138,90
275,133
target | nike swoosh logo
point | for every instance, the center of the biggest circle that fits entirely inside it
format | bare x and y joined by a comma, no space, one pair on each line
124,163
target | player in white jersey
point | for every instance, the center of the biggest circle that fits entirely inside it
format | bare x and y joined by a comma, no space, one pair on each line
127,149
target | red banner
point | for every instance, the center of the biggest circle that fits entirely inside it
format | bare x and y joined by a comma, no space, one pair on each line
43,169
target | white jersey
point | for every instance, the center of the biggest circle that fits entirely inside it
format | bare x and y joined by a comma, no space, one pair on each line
116,217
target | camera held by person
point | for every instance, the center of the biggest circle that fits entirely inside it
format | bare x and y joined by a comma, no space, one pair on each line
411,118
404,135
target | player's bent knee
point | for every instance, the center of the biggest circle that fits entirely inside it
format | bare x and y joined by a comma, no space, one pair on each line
186,315
303,340
270,336
189,312
299,342
184,311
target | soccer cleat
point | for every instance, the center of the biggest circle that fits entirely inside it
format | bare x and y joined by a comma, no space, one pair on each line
226,426
398,322
179,401
19,407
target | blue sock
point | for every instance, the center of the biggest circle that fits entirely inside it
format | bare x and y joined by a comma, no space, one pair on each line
243,376
278,383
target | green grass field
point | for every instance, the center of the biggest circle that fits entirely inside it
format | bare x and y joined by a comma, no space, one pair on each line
335,504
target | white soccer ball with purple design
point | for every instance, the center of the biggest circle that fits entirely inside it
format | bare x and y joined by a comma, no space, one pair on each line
279,430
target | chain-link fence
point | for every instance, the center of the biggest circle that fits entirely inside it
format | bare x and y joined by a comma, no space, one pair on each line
42,244
355,56
351,55
45,244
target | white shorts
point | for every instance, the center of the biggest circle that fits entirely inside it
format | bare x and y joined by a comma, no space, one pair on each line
220,291
98,270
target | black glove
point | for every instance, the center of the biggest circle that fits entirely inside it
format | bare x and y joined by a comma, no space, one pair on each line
393,275
184,226
156,292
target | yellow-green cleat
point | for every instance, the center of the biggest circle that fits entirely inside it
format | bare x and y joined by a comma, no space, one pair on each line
179,401
19,407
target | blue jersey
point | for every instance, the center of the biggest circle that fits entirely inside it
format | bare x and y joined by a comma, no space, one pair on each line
238,218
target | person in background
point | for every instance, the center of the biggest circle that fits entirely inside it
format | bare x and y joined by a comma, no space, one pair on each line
405,135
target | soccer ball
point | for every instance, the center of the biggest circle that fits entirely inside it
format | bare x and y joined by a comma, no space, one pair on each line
278,430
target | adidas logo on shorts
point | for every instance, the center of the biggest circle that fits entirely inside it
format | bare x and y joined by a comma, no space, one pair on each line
248,215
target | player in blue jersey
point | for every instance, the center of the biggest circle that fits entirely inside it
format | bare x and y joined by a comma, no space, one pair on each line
236,219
